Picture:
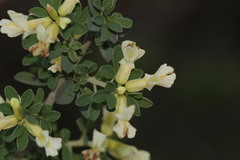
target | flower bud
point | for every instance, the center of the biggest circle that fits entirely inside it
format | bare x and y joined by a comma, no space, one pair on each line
8,122
34,129
53,31
136,85
121,103
52,12
67,7
57,65
62,22
14,102
121,90
46,21
123,73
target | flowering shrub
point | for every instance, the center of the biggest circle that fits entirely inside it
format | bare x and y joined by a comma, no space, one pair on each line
58,37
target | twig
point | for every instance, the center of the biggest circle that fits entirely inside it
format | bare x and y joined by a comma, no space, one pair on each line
52,95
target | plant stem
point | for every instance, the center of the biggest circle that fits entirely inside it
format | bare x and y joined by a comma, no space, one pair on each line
52,95
94,81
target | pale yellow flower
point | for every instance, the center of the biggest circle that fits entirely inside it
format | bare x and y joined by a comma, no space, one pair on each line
16,26
109,120
123,127
98,145
67,7
7,122
131,53
57,65
62,22
17,110
45,22
164,77
136,85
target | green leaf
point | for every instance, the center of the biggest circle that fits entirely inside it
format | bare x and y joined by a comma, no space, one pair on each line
111,101
80,69
36,108
98,39
109,5
8,135
84,100
110,87
76,45
46,125
73,56
90,65
107,71
131,101
93,111
22,141
91,7
65,93
79,28
18,131
66,34
106,53
32,120
113,37
29,41
29,78
91,26
53,116
44,74
135,74
104,33
39,95
98,19
114,26
81,125
6,109
125,22
39,12
135,95
52,82
145,103
99,97
10,92
137,111
65,134
66,153
82,18
117,57
97,4
27,98
29,60
67,64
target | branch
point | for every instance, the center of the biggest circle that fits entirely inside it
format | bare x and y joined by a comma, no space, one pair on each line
52,95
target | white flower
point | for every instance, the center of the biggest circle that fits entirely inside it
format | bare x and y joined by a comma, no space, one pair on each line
98,145
57,65
51,144
16,26
131,53
123,127
164,77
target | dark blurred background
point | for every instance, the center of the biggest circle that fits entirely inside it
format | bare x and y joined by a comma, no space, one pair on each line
198,118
